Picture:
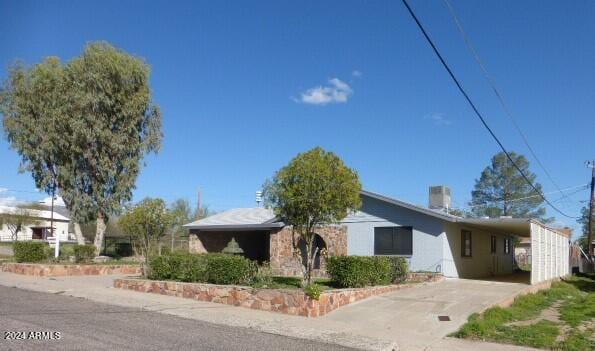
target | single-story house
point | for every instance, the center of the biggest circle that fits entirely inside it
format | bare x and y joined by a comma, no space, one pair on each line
37,227
429,238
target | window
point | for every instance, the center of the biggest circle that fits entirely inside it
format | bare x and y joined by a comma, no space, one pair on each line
466,244
493,244
393,241
507,246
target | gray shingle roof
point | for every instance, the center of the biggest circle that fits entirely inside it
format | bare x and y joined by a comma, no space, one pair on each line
424,210
238,218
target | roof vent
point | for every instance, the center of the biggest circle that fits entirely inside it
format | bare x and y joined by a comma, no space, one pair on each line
258,198
440,197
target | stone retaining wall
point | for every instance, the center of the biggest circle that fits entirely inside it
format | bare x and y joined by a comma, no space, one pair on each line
424,277
53,270
287,301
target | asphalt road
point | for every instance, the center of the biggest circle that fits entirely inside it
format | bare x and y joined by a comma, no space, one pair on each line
86,325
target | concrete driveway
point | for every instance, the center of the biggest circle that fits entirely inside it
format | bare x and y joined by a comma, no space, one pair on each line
407,318
410,316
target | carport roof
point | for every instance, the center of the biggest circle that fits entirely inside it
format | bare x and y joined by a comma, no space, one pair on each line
238,219
517,226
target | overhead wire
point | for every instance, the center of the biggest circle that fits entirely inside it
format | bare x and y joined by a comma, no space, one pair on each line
499,96
477,113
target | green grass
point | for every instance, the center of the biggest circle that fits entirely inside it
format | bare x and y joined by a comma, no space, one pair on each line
294,283
574,299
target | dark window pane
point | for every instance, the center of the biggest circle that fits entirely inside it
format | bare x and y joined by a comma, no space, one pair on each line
393,241
383,241
466,244
403,241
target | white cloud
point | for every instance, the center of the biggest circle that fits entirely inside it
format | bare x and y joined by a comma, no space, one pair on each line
3,190
356,73
438,119
336,92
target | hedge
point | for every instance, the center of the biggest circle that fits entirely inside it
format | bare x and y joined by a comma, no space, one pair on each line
84,253
203,268
29,251
360,271
399,269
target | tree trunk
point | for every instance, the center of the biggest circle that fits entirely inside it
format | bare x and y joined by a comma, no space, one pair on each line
99,233
78,233
172,241
309,260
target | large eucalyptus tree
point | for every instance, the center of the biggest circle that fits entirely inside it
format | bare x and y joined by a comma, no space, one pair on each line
82,128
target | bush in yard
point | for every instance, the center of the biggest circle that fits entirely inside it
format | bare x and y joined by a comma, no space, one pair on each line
29,251
203,268
66,251
313,291
359,271
180,266
264,275
187,267
230,269
84,253
399,269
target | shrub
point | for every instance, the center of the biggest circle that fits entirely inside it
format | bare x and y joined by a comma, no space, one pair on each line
313,291
181,266
229,269
84,253
29,251
66,251
399,269
264,275
203,268
359,271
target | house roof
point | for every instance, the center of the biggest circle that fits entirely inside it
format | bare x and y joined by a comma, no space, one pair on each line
263,219
239,218
34,213
424,210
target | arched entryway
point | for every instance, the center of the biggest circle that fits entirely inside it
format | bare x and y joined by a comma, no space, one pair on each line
319,243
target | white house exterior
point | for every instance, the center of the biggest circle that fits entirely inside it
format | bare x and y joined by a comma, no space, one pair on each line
39,226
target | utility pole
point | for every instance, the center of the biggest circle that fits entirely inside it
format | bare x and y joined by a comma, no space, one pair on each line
198,205
52,233
591,164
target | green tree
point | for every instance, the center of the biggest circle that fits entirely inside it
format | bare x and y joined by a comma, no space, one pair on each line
502,191
584,222
181,212
203,212
314,189
82,128
146,222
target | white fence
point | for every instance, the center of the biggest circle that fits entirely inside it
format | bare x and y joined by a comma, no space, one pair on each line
549,254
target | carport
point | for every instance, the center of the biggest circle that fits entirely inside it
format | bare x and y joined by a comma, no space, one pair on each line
549,246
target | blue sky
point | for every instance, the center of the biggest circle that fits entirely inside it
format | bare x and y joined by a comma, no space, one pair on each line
246,86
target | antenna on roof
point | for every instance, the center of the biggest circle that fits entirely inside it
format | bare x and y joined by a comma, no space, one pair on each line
258,198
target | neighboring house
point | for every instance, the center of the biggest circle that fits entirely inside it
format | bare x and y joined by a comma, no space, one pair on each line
522,252
38,228
430,239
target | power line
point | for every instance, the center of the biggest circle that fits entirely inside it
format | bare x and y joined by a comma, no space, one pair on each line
582,188
499,96
485,124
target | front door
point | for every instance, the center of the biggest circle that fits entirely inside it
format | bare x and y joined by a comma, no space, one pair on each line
494,257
